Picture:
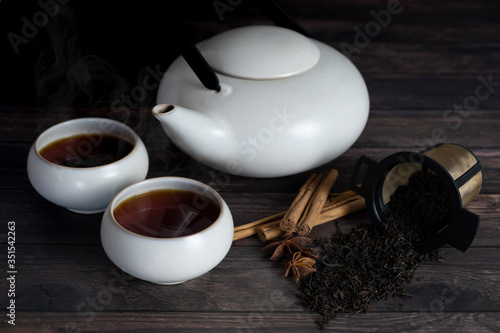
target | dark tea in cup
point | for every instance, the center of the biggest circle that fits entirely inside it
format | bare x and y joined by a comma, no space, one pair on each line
166,213
86,150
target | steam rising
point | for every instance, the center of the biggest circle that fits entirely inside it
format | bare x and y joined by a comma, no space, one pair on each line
65,77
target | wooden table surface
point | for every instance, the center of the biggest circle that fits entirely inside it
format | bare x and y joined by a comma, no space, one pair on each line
428,63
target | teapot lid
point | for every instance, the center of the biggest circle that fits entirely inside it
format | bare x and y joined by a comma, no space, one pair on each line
260,52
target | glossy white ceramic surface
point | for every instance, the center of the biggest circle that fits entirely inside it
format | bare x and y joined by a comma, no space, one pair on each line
86,190
167,260
266,128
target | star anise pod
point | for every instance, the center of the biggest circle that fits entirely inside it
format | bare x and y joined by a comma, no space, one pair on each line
288,246
299,266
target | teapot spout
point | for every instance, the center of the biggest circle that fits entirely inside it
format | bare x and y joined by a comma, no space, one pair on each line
196,133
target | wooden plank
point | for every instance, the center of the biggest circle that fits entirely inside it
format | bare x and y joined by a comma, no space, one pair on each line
404,28
425,93
80,275
392,59
405,128
257,321
14,175
394,125
39,221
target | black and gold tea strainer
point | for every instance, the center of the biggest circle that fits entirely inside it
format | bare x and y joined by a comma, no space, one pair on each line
457,167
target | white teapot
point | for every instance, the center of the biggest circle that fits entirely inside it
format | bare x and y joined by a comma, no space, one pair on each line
285,104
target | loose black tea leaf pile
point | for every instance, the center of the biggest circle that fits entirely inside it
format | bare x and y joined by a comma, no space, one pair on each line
366,265
421,208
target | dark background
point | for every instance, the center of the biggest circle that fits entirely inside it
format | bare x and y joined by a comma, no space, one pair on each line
91,51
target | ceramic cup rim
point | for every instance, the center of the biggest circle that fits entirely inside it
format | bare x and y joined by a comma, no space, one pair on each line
131,190
53,130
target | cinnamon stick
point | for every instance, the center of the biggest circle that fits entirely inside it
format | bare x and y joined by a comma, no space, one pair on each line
244,233
249,229
347,207
270,231
340,209
268,227
334,204
341,196
264,220
335,199
300,202
316,203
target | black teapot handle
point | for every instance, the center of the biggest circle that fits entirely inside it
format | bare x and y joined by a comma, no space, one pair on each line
281,18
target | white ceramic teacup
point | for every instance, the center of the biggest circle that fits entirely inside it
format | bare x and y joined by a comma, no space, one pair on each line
167,260
86,190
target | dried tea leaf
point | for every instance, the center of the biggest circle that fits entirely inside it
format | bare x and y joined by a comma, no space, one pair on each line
366,265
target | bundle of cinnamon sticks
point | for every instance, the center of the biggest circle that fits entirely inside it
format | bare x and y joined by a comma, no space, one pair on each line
314,205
